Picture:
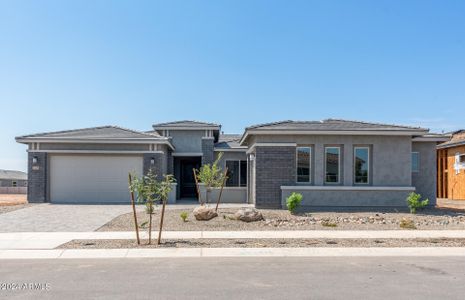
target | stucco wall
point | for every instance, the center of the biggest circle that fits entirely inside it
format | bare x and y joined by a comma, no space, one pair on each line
187,141
85,146
390,166
229,155
391,156
425,180
9,182
349,198
229,195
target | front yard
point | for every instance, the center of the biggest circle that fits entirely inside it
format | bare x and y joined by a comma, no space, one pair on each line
432,219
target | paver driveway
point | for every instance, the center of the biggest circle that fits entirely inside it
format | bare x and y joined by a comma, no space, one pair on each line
60,217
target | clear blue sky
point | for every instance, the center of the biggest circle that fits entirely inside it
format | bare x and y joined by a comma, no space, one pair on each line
72,64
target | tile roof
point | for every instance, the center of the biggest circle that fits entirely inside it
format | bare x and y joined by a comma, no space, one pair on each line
103,132
228,141
11,174
331,125
185,123
457,139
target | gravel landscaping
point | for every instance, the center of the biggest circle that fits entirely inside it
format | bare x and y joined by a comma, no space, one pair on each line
431,219
262,243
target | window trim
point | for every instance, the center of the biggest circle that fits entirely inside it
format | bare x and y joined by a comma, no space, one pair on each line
418,165
238,173
338,165
309,165
369,165
14,183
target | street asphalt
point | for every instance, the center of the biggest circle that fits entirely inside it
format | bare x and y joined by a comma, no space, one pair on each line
235,278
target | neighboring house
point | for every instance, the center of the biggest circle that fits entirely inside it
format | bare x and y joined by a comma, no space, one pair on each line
335,163
451,167
10,178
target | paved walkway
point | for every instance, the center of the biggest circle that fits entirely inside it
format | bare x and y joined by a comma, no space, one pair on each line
51,240
56,217
231,252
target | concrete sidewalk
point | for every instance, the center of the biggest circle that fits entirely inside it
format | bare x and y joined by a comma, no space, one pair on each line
231,252
51,240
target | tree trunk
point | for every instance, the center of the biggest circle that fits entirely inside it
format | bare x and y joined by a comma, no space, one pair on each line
133,203
150,222
161,221
209,190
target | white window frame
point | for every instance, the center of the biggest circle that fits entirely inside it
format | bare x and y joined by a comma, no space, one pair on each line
418,165
309,164
338,164
369,164
239,173
14,183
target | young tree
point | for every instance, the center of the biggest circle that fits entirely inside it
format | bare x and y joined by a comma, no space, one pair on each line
211,176
163,190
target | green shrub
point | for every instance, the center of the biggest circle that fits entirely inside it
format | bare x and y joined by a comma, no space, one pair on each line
407,224
293,201
414,202
184,216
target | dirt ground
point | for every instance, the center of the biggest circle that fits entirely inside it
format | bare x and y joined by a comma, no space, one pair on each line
283,220
263,243
12,199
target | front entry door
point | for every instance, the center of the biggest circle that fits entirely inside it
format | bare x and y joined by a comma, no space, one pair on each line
188,188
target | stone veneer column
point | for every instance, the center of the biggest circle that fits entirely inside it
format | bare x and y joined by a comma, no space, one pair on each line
207,150
158,167
37,177
275,166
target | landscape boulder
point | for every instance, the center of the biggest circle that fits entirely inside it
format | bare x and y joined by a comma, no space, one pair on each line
204,213
248,215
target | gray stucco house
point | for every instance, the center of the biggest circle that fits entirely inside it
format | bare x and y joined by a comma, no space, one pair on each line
335,163
12,178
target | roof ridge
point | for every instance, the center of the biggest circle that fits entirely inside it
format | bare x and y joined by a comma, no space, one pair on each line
181,121
375,123
268,124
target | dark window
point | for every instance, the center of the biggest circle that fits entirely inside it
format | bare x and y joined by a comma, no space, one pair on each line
332,164
243,168
361,164
14,184
237,173
415,161
303,164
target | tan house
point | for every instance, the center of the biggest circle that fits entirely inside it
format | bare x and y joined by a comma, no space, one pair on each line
451,167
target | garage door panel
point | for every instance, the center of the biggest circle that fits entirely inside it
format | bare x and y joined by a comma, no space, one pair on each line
91,179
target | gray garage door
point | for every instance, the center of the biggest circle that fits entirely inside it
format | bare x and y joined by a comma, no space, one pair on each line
91,178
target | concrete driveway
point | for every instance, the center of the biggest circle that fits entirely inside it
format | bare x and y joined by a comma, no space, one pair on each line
60,217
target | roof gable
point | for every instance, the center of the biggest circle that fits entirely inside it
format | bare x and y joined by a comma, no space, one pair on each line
186,124
12,174
103,132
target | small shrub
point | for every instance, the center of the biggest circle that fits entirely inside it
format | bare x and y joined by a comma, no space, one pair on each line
293,201
184,216
414,202
407,224
328,223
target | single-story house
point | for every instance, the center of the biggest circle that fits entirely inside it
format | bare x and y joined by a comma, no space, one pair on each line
335,163
451,167
11,178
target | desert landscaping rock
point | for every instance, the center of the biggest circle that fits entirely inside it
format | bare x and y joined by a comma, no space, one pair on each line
7,208
432,219
248,215
204,213
262,243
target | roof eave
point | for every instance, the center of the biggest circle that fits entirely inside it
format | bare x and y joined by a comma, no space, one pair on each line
331,132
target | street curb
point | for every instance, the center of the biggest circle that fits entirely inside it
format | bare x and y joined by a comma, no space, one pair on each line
231,252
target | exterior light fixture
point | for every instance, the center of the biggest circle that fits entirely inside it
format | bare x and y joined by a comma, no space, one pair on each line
152,161
34,159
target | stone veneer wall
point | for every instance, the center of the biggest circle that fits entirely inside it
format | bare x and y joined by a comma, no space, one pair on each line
37,177
275,166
